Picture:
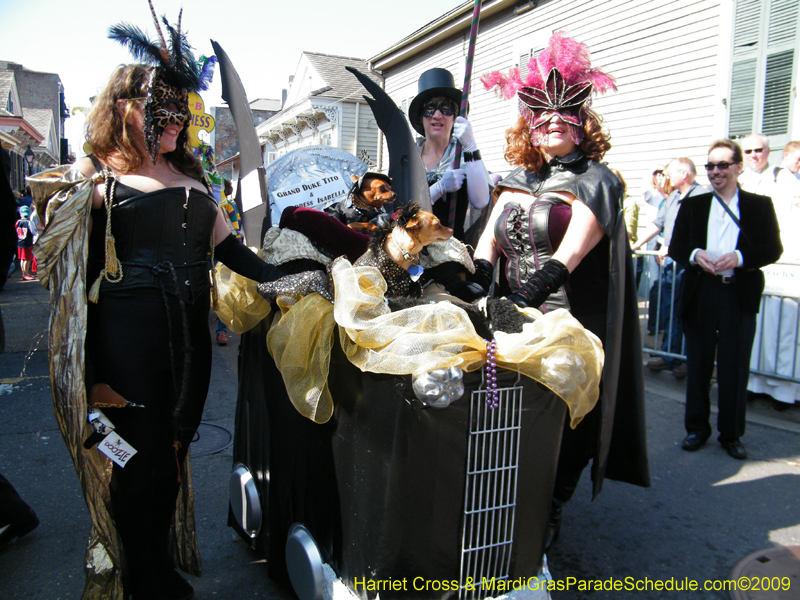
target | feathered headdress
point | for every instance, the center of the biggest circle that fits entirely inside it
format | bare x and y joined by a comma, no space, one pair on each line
559,80
175,67
178,66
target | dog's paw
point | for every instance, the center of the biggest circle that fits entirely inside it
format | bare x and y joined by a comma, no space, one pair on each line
440,387
362,227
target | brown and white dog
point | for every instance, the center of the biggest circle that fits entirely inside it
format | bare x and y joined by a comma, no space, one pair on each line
395,250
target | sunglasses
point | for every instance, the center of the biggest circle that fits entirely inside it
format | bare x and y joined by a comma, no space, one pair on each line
756,150
722,166
446,107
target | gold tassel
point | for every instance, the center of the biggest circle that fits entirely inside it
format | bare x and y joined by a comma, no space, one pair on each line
113,268
94,291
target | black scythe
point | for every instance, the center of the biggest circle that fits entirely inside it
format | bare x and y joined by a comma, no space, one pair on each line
255,221
406,168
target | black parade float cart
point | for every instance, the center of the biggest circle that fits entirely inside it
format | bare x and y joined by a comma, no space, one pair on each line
391,454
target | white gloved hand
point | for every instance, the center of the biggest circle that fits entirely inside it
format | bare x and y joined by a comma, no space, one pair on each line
462,129
451,181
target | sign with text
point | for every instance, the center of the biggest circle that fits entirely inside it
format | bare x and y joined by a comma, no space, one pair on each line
782,279
200,121
312,193
117,449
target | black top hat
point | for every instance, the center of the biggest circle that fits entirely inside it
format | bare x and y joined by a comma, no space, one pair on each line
432,84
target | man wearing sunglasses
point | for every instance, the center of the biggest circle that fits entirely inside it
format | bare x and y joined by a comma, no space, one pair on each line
722,239
758,177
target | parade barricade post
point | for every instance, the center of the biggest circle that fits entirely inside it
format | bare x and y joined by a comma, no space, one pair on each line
775,348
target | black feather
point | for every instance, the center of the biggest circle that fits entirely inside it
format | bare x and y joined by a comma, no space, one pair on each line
137,42
183,69
178,66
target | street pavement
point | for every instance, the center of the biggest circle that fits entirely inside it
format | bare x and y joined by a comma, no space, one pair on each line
703,514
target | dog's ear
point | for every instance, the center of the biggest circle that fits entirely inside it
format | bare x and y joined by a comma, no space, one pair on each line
413,224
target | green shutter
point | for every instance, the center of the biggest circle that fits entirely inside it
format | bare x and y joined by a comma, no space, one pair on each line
777,93
743,93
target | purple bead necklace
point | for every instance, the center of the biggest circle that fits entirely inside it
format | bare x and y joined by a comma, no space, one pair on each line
492,396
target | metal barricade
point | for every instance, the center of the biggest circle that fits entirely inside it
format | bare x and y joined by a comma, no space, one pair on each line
775,347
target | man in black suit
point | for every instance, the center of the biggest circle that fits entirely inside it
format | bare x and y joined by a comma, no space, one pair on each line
722,287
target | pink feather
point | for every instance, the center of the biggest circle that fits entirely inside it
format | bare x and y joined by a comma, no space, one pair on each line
570,57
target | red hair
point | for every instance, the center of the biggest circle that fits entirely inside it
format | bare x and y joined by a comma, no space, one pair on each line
521,152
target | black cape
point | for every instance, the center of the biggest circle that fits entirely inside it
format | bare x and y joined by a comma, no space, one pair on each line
621,452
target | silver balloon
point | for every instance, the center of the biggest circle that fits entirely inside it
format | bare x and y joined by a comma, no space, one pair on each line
440,387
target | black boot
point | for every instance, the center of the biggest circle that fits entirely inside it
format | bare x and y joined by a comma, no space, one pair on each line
554,522
173,585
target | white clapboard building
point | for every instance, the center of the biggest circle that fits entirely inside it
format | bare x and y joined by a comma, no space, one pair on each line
324,106
688,71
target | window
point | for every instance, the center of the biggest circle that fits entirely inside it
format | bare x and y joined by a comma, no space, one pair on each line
525,48
765,39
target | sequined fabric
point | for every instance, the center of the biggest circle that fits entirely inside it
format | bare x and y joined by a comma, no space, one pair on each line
63,197
398,281
297,286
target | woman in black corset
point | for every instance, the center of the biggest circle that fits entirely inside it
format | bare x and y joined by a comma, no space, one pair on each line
558,228
153,224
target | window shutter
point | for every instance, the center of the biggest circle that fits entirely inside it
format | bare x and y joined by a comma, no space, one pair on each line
782,22
524,58
747,26
743,94
777,93
764,41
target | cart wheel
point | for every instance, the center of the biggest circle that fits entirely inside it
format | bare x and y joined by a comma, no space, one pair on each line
244,501
304,563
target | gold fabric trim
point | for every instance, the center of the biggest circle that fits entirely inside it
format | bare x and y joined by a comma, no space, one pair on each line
555,350
64,198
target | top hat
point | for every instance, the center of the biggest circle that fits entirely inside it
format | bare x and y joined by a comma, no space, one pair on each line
369,175
432,84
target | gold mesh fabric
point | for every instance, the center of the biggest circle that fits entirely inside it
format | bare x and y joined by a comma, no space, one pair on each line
300,341
64,197
239,306
555,350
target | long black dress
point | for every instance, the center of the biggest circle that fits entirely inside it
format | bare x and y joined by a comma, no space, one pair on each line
148,338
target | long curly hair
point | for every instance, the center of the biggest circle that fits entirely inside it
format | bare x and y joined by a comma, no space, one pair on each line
110,135
521,152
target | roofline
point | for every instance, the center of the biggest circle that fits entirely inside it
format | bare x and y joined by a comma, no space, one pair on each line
21,123
447,25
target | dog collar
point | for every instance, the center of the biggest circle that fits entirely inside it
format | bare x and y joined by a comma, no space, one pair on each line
359,203
409,257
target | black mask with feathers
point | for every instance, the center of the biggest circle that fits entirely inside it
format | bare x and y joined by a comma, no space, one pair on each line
175,75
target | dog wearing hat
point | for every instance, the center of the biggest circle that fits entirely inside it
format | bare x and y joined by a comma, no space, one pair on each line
363,209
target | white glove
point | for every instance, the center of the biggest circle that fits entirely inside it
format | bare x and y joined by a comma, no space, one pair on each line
463,132
451,181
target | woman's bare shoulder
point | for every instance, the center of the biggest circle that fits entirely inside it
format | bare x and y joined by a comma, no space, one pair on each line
85,166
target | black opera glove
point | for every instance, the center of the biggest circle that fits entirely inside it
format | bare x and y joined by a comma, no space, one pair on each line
541,284
476,285
239,258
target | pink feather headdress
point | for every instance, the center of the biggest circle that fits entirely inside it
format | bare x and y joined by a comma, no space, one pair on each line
560,81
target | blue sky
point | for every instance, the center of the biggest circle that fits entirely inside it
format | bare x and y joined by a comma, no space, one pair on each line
264,38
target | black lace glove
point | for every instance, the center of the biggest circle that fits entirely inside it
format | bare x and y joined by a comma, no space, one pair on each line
236,256
541,284
477,285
